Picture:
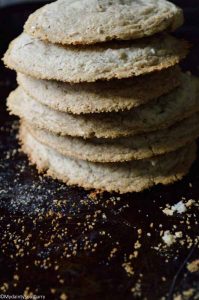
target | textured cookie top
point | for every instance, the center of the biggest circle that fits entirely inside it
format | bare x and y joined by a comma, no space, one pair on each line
162,113
92,21
90,63
133,176
101,96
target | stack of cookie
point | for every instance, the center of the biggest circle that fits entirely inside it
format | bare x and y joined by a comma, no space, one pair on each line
102,101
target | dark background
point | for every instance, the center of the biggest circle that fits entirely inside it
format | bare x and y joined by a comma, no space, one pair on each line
26,200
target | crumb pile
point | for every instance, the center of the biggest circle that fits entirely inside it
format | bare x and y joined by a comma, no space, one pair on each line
102,100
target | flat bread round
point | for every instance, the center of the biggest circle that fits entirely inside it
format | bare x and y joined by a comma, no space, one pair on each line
122,149
106,96
93,21
118,177
38,59
163,113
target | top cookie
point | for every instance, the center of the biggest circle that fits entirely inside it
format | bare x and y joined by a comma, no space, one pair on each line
93,21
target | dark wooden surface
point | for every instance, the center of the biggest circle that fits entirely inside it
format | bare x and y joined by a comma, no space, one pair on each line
52,241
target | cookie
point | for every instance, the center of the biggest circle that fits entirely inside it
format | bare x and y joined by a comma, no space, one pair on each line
167,110
94,21
106,96
118,177
77,64
122,149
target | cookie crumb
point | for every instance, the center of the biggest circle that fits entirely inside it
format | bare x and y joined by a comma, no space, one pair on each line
193,266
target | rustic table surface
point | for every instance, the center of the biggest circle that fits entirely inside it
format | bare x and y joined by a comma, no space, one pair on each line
61,242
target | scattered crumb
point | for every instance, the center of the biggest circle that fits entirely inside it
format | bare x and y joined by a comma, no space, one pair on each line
168,238
136,289
193,266
185,295
179,207
63,296
128,268
168,211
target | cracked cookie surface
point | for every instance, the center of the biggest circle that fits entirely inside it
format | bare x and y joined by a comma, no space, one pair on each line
101,96
41,60
94,21
122,149
118,177
160,114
